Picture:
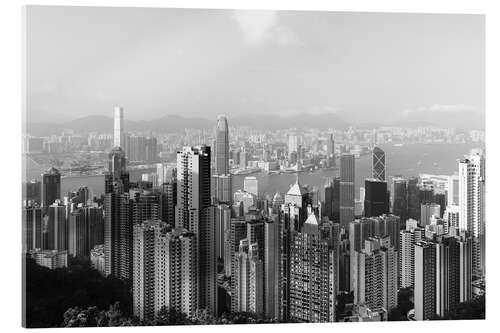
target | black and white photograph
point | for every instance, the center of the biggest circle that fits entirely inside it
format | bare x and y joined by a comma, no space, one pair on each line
209,166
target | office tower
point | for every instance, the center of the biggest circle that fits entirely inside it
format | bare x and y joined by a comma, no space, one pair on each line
176,272
451,218
288,223
249,288
400,198
222,188
243,157
277,202
95,221
222,146
118,233
143,276
328,195
117,171
145,205
51,187
299,196
344,262
51,259
413,199
222,225
453,190
346,189
311,292
471,202
238,231
407,240
330,147
376,274
425,280
32,191
425,194
168,200
336,200
426,211
97,259
55,231
376,198
293,142
378,164
118,139
251,185
78,237
453,276
194,213
33,222
271,266
440,199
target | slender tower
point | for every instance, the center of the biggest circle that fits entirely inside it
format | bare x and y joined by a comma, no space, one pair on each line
222,146
118,128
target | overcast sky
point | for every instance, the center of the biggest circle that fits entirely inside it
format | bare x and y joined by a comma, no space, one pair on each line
84,60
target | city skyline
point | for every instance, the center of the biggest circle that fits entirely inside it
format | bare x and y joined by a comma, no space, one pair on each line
133,223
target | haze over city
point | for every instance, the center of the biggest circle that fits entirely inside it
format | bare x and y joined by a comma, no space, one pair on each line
364,67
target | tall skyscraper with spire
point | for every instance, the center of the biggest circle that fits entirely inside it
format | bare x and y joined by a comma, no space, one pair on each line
378,166
222,146
118,139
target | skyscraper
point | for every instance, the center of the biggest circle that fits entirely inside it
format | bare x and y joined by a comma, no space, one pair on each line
311,290
222,146
378,164
376,276
176,272
143,276
118,139
78,234
271,269
376,198
400,198
195,214
413,199
117,171
407,240
471,202
51,187
425,280
346,189
249,278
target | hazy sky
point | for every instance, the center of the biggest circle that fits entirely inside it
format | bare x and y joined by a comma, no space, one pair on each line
84,60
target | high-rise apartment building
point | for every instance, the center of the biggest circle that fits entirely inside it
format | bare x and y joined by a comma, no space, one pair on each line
195,214
425,280
78,234
312,290
407,240
145,235
471,176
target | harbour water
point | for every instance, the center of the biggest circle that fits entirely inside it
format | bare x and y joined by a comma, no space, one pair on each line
407,160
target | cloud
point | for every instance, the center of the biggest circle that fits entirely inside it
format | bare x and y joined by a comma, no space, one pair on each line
262,26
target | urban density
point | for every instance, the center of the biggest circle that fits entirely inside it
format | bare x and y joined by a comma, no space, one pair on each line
190,223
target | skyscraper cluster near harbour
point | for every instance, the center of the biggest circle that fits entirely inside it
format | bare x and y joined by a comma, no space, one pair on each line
189,243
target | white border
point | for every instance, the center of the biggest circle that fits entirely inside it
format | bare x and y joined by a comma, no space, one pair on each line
10,100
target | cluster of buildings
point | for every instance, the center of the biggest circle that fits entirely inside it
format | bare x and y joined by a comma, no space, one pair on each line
190,243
